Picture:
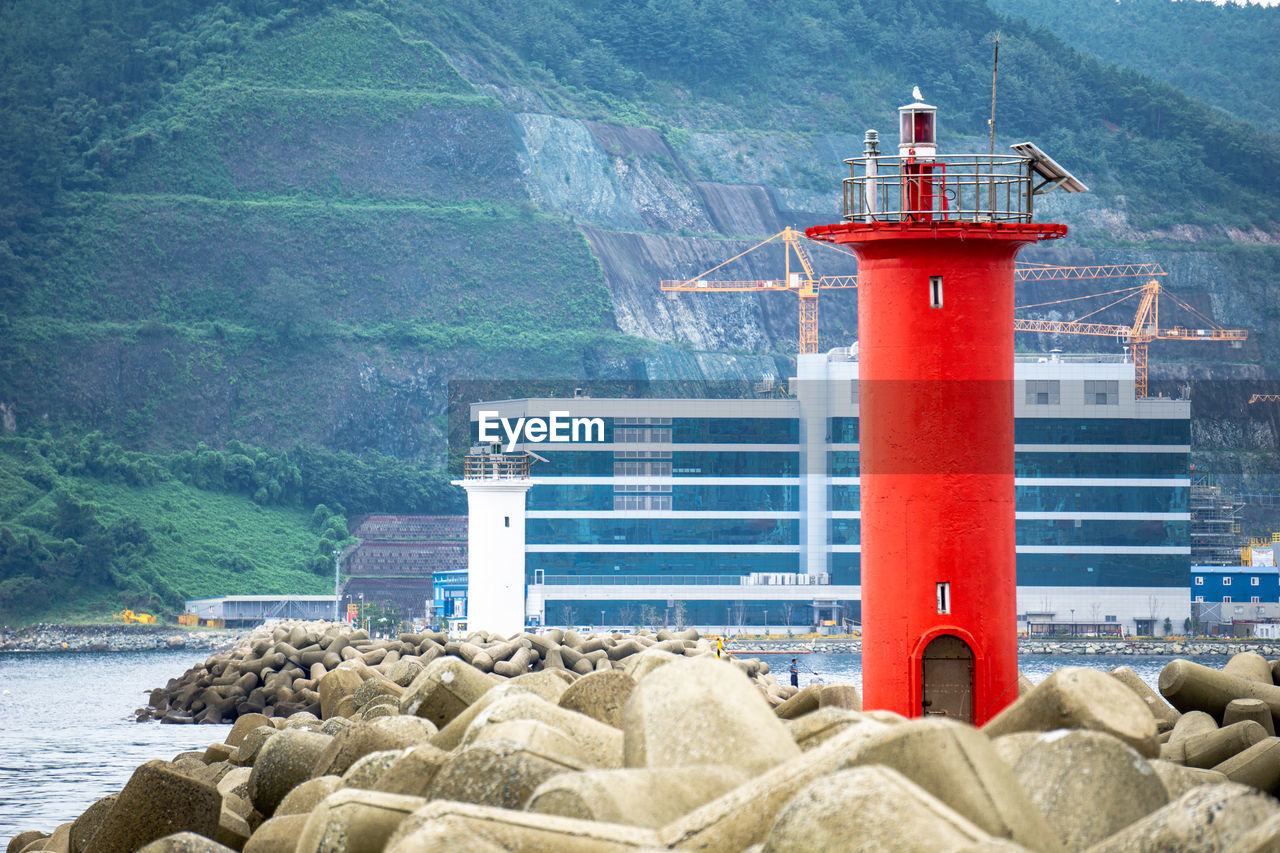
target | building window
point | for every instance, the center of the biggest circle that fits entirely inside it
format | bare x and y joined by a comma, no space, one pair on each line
628,467
506,521
944,598
1226,599
1101,392
1044,392
1200,599
641,502
1253,599
1226,581
1109,619
1253,581
641,435
935,299
642,421
1199,581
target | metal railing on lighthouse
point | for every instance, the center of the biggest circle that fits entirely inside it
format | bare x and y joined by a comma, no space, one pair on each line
490,463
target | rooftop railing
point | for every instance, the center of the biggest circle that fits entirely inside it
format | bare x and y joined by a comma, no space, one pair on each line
670,580
968,188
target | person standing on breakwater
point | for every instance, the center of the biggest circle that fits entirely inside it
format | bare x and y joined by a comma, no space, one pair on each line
795,673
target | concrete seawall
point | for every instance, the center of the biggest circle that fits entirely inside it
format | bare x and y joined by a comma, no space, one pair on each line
54,637
113,638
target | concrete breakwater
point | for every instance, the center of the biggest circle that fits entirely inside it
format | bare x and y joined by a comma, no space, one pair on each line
112,638
662,750
278,672
56,637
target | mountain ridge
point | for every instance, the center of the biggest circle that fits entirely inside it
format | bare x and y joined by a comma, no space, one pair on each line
295,226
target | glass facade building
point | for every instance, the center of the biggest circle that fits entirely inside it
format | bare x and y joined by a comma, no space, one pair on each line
745,512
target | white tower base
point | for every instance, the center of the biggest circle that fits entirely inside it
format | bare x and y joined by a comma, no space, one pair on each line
495,554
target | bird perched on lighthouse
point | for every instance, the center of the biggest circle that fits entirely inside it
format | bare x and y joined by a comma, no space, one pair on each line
915,93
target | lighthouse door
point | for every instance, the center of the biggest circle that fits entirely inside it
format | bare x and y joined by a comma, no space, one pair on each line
948,678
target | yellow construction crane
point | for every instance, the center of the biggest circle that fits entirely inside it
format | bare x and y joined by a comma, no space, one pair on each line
1265,398
1145,327
1048,272
806,284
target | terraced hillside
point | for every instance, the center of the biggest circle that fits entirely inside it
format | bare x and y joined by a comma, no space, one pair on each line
294,226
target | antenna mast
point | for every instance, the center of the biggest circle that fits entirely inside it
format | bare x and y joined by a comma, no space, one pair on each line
991,126
991,123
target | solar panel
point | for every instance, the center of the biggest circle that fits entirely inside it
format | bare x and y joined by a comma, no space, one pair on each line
1046,167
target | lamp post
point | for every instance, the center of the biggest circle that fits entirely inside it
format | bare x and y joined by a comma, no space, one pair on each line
337,585
1073,621
601,618
360,613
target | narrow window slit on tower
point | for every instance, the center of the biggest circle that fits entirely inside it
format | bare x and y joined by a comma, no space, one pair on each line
506,521
944,597
935,291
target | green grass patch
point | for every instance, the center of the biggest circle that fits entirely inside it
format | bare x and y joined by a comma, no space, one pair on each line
209,544
88,529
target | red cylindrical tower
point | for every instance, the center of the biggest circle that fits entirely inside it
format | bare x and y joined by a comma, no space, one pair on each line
935,311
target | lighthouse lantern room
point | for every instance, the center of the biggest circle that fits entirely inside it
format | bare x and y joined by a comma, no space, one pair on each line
918,128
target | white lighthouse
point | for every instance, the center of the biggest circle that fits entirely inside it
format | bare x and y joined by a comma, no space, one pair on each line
496,484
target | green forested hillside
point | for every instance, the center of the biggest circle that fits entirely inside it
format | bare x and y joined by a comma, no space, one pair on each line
292,226
839,66
1213,52
87,527
187,247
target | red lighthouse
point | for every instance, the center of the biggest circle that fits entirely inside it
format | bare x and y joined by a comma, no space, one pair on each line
936,238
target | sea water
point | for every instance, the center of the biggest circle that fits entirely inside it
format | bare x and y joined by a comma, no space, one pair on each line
67,735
